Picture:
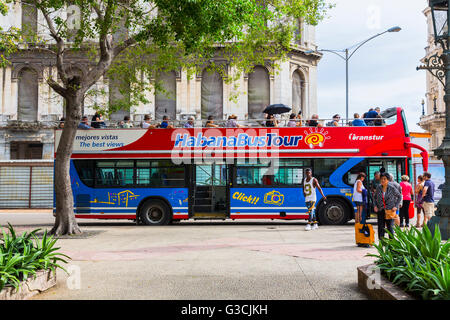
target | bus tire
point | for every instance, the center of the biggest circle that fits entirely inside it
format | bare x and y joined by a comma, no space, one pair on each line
333,212
155,213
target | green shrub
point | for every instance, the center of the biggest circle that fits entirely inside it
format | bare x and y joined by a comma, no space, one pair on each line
21,256
416,261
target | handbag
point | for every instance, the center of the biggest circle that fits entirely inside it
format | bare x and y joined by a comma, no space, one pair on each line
389,213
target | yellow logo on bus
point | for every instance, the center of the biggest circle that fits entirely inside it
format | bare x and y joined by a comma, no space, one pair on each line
274,197
118,199
315,137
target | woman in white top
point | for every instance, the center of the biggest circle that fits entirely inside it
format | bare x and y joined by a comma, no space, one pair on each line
292,121
357,196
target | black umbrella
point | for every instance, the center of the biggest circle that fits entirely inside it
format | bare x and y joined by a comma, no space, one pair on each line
277,109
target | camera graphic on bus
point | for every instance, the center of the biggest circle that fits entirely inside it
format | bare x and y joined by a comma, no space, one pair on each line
274,197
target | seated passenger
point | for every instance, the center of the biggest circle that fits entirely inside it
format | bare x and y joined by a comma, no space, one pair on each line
314,122
97,121
379,121
232,122
61,123
84,124
126,123
335,121
299,119
189,123
370,116
147,124
271,121
358,122
292,120
210,123
165,123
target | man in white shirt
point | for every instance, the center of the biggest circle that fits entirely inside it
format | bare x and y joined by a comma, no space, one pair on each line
309,192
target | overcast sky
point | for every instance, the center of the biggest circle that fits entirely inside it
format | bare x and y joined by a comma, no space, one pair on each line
383,71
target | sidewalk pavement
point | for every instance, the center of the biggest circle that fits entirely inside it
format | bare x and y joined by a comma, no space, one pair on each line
206,260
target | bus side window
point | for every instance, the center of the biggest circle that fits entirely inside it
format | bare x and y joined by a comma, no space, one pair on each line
324,168
85,171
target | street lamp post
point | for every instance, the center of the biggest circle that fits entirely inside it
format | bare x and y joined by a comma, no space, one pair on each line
348,54
439,66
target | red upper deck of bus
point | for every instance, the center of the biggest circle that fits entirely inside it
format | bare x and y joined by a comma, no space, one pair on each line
391,140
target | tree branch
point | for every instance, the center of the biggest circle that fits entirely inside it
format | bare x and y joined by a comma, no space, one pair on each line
57,87
59,44
98,11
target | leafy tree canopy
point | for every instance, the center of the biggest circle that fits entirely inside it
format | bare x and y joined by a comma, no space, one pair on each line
145,38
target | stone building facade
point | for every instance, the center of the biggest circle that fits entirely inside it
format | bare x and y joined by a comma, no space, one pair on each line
434,119
28,106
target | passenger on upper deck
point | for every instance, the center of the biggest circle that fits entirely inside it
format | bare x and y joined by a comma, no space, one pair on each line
232,122
292,120
165,123
370,116
146,124
271,121
84,124
189,123
379,121
126,123
299,119
314,122
335,121
97,121
357,122
210,123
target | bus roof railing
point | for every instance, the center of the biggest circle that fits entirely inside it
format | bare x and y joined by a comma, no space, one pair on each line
199,123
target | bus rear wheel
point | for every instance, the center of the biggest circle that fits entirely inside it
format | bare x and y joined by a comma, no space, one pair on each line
334,212
155,213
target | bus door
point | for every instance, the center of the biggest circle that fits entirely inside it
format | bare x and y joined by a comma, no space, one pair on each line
396,167
210,189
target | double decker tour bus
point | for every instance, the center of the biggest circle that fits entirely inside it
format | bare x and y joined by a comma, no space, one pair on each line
156,176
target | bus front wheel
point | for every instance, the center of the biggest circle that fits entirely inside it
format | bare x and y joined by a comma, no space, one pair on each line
155,213
334,212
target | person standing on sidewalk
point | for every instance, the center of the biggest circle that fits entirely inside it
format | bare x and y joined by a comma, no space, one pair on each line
419,200
387,201
428,197
399,188
407,194
309,192
358,196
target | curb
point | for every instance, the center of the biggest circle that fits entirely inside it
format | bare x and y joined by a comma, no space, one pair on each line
377,286
43,280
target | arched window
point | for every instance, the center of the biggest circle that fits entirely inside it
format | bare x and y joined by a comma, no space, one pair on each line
28,95
165,99
258,92
298,92
212,95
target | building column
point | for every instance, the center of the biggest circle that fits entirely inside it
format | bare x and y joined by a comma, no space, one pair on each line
14,99
198,97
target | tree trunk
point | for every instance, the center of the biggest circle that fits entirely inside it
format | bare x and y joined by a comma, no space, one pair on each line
65,223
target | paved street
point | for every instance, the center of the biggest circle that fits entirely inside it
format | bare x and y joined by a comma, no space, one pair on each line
206,260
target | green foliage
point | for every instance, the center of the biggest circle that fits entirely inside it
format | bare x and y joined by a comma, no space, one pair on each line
9,39
417,261
21,256
166,35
